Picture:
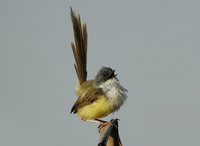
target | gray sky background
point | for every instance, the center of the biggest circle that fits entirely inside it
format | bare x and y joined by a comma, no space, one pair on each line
153,45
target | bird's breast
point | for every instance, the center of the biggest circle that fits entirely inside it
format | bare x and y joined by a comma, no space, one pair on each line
115,93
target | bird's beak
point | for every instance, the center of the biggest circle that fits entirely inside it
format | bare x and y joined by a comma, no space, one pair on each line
114,75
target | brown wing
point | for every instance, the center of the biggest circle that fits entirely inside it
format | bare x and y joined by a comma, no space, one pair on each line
89,98
79,47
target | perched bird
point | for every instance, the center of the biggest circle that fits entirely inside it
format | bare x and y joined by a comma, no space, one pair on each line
101,96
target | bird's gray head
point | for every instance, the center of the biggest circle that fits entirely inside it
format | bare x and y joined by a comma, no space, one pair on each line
104,74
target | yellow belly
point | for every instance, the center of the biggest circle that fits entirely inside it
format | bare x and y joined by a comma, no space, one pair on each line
98,109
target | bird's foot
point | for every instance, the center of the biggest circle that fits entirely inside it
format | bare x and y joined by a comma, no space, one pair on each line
105,123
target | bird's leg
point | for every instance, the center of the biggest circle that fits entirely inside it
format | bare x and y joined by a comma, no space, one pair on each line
98,121
94,121
101,123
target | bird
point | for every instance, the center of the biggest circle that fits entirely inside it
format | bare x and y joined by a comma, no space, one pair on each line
97,97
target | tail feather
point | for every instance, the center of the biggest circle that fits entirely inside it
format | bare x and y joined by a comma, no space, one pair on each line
79,47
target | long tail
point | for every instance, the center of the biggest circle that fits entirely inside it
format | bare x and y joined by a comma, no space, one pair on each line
79,47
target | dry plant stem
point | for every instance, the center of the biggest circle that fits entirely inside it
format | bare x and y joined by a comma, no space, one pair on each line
109,135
